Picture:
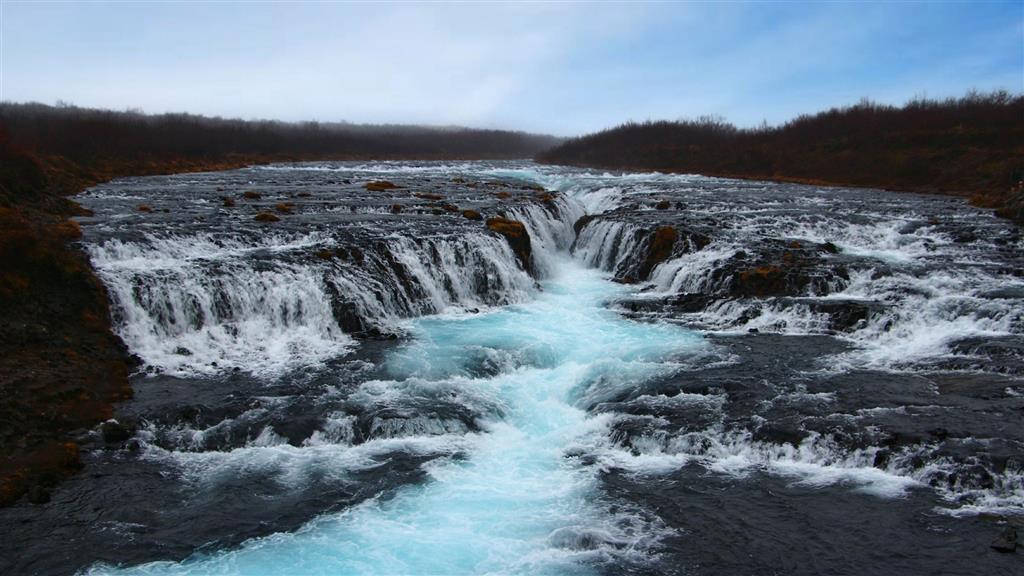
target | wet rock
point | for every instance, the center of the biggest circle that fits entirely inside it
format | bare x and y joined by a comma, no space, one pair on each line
1006,542
517,236
582,222
266,217
227,201
472,215
144,208
659,249
182,351
325,254
114,432
784,269
663,205
449,207
380,186
397,208
284,207
830,248
502,195
250,195
426,196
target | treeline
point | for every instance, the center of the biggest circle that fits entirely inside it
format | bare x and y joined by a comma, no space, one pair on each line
972,145
83,134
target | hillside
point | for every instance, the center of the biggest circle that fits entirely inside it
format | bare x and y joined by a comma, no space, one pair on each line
971,146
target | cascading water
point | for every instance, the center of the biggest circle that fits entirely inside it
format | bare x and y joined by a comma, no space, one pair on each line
693,373
517,502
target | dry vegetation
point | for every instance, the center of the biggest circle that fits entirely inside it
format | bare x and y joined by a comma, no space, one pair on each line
971,146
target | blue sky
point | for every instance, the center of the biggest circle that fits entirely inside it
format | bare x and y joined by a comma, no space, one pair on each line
564,68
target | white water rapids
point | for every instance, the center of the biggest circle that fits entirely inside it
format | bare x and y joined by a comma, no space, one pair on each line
516,503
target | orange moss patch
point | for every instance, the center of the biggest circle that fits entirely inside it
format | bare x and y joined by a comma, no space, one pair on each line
517,236
380,186
761,281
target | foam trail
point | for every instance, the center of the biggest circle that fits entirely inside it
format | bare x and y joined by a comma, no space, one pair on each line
517,503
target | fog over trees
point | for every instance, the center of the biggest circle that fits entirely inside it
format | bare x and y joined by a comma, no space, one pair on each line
85,134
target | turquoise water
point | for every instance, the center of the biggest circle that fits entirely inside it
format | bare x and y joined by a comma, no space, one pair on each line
521,500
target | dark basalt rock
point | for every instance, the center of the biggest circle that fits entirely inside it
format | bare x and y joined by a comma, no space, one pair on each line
582,222
114,432
397,208
518,238
786,270
663,205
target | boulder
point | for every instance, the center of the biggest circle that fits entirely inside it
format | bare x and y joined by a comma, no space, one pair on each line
580,224
266,217
114,432
659,249
472,215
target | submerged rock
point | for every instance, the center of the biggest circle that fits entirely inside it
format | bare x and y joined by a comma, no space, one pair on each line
1006,542
266,217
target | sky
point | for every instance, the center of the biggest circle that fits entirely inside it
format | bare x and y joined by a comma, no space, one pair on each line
563,68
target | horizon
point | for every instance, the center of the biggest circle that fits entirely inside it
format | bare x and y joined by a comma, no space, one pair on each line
452,67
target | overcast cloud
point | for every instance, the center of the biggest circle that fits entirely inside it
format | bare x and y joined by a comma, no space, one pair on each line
564,68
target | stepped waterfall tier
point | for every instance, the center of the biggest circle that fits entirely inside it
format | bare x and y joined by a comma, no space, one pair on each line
507,368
